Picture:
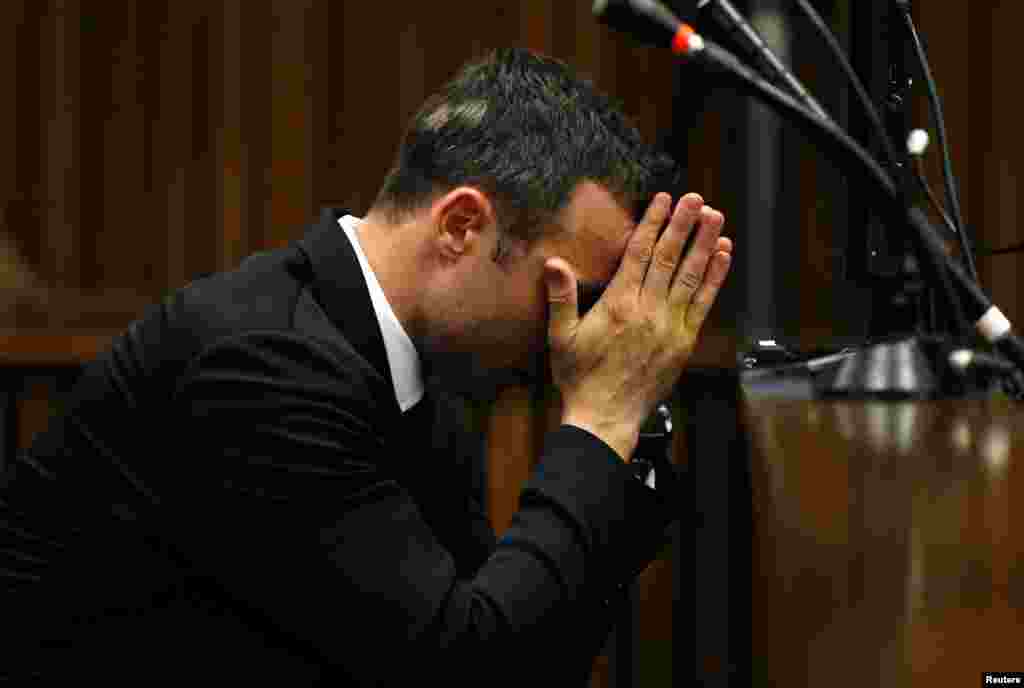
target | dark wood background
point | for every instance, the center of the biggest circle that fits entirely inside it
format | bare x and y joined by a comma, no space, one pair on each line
146,143
143,144
150,142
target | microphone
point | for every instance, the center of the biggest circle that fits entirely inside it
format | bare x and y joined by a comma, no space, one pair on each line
648,21
964,360
986,317
732,21
651,22
658,25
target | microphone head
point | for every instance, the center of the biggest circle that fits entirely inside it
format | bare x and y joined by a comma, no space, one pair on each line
648,21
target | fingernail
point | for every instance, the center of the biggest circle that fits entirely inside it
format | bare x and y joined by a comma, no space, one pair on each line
694,202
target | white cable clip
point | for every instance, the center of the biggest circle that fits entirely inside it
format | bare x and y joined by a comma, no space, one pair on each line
917,142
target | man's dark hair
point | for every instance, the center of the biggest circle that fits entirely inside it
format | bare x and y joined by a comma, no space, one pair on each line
526,130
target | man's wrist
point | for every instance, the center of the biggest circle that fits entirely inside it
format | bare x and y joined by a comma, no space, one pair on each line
621,437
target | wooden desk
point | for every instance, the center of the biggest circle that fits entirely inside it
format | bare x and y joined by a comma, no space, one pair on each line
888,541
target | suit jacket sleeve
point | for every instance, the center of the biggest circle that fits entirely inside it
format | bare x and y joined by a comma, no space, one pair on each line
294,507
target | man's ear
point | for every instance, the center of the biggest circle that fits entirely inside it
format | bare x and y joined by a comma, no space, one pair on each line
461,213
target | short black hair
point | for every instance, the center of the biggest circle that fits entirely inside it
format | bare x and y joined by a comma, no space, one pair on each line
526,130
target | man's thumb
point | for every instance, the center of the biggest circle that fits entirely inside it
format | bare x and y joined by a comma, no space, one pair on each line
561,284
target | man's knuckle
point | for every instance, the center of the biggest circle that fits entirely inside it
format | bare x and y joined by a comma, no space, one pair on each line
651,326
698,310
641,252
664,261
690,280
619,311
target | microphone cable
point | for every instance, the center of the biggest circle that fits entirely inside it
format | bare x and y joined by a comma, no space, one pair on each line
851,76
917,144
1015,248
940,125
689,44
769,64
895,161
653,22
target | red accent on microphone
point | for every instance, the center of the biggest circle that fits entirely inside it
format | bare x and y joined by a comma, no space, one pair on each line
681,41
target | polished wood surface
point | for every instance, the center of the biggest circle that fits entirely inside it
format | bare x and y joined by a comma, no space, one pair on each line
888,543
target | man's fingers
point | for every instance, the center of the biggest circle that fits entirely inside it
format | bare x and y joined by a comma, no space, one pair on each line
641,245
668,252
691,272
704,299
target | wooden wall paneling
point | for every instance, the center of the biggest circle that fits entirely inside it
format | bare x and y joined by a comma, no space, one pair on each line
227,115
562,18
966,98
972,61
202,223
999,155
94,110
498,26
586,44
15,269
24,209
329,116
122,235
609,46
150,26
973,64
415,60
704,174
536,31
172,137
644,83
960,75
60,96
706,145
318,54
367,115
256,121
814,288
293,98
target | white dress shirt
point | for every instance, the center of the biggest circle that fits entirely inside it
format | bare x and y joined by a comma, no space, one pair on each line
403,359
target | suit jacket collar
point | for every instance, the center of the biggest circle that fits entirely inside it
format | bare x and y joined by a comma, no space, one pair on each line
340,289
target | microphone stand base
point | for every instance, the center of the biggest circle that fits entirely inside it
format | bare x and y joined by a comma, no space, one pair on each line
911,368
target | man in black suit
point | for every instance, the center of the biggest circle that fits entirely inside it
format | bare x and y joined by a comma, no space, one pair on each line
259,481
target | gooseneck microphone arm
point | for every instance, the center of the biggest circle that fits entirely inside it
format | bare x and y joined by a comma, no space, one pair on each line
829,135
898,164
987,318
855,82
684,41
949,179
730,19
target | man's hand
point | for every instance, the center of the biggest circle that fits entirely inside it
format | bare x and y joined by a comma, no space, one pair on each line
617,363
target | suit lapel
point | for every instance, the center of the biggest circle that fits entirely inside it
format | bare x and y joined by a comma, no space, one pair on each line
339,288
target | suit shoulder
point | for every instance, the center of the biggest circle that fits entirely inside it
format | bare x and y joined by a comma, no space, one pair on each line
274,361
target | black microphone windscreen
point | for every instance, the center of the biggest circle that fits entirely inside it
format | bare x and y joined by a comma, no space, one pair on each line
648,21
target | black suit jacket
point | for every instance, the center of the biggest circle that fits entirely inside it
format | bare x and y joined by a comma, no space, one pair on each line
232,492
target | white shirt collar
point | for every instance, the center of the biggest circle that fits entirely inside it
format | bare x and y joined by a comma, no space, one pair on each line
403,359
